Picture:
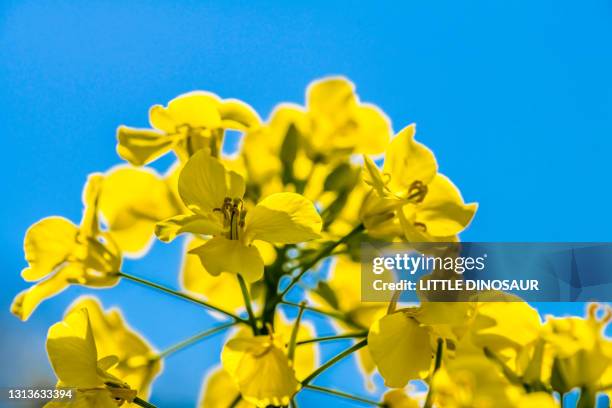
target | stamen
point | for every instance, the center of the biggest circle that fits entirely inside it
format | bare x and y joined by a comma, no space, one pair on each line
417,191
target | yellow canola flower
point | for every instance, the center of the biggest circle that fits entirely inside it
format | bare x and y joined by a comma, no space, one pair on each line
401,349
403,343
261,369
137,364
74,357
220,389
409,190
582,353
508,322
60,253
214,197
339,123
132,201
476,382
192,121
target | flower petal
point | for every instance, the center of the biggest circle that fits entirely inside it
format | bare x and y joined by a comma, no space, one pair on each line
118,342
222,290
443,211
374,130
72,351
132,201
47,244
408,161
204,183
261,370
400,348
238,115
223,255
285,218
27,301
90,224
194,109
142,146
331,97
170,228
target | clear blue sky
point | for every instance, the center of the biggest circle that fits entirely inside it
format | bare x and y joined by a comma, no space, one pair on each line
513,97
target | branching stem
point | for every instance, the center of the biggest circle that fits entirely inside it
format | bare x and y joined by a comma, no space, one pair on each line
333,361
181,295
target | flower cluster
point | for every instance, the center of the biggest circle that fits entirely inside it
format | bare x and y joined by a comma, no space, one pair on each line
304,189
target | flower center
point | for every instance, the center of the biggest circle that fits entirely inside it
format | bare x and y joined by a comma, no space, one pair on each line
234,214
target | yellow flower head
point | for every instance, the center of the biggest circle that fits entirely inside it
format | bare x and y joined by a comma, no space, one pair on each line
582,353
74,357
339,123
476,382
261,369
409,190
214,197
190,122
60,253
136,361
132,200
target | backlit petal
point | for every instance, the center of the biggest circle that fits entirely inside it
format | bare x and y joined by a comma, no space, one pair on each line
131,202
408,161
170,228
443,211
223,255
400,348
47,244
142,146
236,114
286,218
72,351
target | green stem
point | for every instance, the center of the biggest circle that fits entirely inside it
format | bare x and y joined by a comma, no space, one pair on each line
337,316
333,361
192,340
437,365
343,395
356,335
324,253
181,295
247,303
294,333
510,375
143,403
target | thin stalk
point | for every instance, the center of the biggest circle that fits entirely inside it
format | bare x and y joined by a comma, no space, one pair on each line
510,375
337,316
437,365
333,361
143,403
343,395
193,339
356,335
247,303
294,333
181,295
324,253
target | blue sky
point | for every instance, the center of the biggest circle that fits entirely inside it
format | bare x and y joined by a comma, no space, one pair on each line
513,97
